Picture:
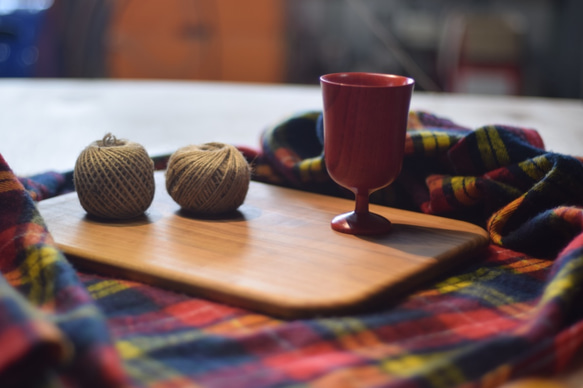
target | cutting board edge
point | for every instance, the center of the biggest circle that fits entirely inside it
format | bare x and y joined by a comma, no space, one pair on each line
290,309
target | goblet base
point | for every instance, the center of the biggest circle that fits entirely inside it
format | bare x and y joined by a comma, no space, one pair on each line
364,223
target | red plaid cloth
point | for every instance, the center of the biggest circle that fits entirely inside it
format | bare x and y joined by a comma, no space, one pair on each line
513,312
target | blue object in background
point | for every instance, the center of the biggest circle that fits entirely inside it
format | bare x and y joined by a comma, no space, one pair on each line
21,22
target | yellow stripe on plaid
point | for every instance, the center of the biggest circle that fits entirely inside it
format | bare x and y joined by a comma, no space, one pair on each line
492,149
566,279
127,350
431,365
443,141
497,221
36,268
536,168
139,366
527,265
149,371
433,141
351,333
456,283
311,168
140,345
446,377
464,189
465,284
341,327
496,298
107,288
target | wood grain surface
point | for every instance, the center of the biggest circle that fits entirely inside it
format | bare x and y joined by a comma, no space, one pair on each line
277,254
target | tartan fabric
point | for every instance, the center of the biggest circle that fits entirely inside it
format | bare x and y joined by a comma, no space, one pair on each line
48,184
511,312
51,331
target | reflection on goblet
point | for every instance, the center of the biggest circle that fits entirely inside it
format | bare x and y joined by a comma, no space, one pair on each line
365,122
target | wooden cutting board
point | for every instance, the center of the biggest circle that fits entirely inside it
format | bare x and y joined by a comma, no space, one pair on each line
277,255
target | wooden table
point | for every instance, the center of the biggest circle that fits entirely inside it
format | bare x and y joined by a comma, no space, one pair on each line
46,123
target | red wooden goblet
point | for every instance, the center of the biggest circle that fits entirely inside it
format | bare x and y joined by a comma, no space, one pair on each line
365,121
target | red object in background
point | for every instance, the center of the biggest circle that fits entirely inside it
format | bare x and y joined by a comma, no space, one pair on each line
482,54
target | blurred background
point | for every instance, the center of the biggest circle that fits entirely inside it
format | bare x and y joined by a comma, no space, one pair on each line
506,47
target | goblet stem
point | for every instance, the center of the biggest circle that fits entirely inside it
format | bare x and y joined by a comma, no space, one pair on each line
361,221
361,202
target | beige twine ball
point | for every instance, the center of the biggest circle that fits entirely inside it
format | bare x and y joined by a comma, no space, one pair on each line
208,179
114,178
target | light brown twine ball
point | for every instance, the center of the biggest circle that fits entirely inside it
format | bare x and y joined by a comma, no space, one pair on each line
114,178
208,179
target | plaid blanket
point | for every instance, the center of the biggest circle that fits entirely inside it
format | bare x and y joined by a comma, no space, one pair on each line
512,312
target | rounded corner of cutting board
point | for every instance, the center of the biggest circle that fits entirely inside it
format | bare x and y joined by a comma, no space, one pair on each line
295,308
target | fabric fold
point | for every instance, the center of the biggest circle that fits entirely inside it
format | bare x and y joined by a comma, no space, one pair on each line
511,312
51,331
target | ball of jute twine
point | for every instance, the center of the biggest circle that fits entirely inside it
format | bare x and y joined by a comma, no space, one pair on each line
114,178
208,179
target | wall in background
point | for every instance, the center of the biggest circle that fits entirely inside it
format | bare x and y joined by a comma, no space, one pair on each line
527,47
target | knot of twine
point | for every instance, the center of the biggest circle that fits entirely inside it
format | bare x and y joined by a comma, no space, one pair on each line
209,179
114,178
